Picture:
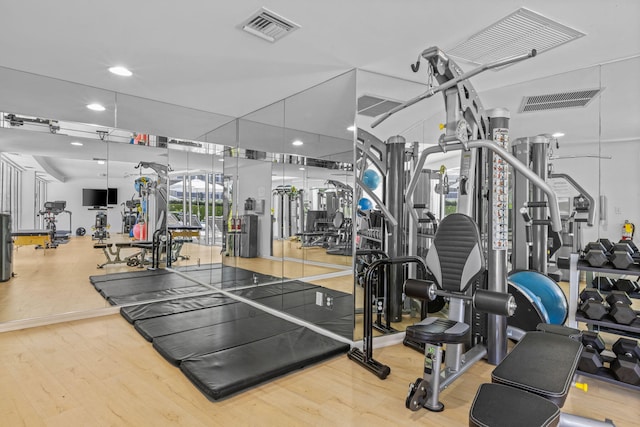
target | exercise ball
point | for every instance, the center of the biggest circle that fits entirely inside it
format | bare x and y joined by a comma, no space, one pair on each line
371,179
365,204
532,303
547,291
136,231
143,231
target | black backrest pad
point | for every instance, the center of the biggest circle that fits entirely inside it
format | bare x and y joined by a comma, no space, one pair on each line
456,257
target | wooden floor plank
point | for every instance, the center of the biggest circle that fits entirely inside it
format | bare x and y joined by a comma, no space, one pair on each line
119,379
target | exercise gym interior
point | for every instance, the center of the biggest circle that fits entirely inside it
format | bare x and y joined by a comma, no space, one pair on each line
320,213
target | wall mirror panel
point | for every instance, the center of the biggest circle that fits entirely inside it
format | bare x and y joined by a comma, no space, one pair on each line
287,205
54,149
51,153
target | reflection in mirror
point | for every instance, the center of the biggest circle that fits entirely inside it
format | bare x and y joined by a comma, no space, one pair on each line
287,204
52,169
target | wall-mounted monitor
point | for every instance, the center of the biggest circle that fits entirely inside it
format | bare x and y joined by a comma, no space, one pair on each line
99,197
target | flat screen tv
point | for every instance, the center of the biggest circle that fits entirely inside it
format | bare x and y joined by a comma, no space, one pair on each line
99,197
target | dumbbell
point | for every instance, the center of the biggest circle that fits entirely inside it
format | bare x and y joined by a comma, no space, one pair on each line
592,305
608,245
590,359
602,283
634,248
621,255
626,285
626,366
596,254
620,308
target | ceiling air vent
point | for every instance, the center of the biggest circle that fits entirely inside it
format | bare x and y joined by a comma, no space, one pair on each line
268,25
513,35
558,101
373,106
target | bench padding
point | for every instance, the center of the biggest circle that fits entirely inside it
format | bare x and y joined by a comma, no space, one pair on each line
497,405
437,330
541,363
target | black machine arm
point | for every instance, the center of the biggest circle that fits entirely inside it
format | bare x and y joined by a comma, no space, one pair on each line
435,52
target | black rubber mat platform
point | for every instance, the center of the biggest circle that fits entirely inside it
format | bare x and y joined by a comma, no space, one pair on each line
250,345
232,333
166,308
131,287
224,345
226,372
153,295
126,275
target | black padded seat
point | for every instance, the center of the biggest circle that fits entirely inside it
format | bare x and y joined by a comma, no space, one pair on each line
497,405
541,363
455,260
436,330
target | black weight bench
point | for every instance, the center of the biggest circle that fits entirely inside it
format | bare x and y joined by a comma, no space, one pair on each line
531,384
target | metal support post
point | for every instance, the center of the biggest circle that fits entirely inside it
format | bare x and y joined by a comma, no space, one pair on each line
498,232
395,186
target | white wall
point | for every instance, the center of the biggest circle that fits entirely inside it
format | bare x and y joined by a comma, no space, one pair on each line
28,209
615,178
82,216
254,180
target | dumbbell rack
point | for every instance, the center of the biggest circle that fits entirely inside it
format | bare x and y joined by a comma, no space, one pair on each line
575,265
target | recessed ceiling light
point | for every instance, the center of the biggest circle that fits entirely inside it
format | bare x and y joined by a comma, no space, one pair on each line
557,135
101,162
221,160
297,143
351,128
301,169
77,143
120,71
96,107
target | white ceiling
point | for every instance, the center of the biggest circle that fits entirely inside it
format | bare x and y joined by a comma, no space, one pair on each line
192,56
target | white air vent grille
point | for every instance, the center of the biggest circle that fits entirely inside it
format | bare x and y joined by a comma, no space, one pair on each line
558,101
268,25
513,35
373,106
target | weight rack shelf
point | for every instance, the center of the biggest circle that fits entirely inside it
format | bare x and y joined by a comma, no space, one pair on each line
609,380
565,263
632,331
574,264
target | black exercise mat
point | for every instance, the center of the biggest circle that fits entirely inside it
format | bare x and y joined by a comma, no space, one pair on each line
188,268
342,326
139,285
188,320
180,305
256,292
289,300
225,372
211,339
100,278
337,308
148,296
228,275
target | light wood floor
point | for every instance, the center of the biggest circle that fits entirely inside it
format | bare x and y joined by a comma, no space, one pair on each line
100,372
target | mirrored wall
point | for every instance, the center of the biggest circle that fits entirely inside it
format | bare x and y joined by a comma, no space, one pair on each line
274,197
284,205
